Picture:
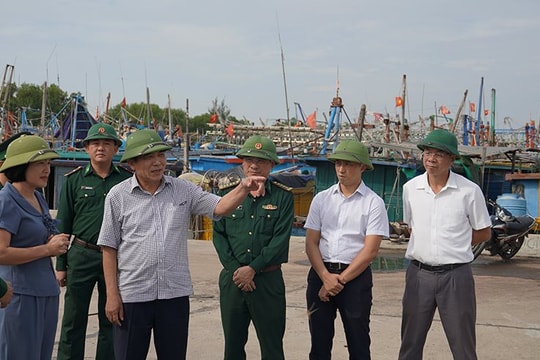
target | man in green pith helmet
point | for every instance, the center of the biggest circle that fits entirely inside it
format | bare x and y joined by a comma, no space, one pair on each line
80,213
344,229
252,243
447,214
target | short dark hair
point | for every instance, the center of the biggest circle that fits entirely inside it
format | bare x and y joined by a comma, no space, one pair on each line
16,173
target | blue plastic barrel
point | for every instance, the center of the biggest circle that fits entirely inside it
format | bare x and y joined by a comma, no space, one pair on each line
513,203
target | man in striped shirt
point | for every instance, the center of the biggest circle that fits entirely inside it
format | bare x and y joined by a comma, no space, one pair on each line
144,242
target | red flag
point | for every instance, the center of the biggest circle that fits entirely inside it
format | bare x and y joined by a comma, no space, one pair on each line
123,103
486,112
230,130
213,118
378,116
311,120
444,110
399,101
472,107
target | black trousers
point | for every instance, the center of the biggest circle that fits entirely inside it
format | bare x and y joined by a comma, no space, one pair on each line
354,305
169,319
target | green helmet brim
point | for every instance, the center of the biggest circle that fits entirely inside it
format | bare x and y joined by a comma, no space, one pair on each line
144,150
30,157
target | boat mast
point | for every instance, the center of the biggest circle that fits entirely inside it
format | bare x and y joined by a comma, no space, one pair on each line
43,105
479,114
5,90
286,97
148,109
361,119
492,119
333,121
404,126
458,112
107,104
186,140
169,113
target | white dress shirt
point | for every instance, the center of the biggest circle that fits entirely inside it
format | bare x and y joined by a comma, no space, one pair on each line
344,222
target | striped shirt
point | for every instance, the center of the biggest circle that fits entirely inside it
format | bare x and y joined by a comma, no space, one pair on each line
149,232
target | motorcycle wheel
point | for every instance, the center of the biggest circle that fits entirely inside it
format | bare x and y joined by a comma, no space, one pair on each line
511,248
478,248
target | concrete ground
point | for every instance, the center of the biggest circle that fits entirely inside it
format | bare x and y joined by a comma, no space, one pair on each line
508,293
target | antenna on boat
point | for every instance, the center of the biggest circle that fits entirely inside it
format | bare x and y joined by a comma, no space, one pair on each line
286,96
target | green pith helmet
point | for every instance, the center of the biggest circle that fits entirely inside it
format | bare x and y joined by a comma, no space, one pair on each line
352,150
27,149
441,140
102,131
5,144
259,146
142,142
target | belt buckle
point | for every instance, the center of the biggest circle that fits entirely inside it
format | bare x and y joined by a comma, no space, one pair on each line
335,266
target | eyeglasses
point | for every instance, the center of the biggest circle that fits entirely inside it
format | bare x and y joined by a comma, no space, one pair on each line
256,161
437,155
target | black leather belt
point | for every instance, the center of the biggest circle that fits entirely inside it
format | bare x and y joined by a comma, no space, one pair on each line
436,268
335,268
85,244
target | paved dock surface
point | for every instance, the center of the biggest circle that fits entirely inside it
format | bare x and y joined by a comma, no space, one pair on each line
508,301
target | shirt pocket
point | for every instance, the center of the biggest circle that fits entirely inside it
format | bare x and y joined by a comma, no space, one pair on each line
237,214
268,220
86,193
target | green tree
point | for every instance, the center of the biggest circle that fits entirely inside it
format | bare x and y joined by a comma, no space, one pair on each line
29,97
56,98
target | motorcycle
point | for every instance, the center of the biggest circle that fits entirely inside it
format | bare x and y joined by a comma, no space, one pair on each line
507,233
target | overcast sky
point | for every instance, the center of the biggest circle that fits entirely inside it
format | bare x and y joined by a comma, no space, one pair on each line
230,50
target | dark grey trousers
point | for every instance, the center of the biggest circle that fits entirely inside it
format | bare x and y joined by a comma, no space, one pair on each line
452,293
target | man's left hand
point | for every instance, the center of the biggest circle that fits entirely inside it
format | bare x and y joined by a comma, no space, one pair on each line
243,278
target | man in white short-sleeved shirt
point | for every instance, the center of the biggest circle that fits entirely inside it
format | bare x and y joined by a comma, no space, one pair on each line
345,226
447,214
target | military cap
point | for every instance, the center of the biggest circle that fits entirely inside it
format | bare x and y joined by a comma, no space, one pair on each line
259,146
27,149
142,142
4,145
442,140
353,151
101,131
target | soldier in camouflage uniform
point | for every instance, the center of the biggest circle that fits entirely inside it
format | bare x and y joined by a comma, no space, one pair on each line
252,243
80,213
